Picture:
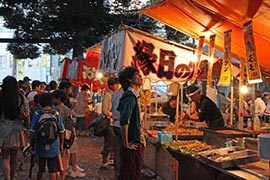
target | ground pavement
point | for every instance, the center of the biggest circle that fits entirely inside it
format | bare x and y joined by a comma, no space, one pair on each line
89,158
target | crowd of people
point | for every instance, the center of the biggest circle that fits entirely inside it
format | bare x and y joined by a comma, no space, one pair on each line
51,118
54,118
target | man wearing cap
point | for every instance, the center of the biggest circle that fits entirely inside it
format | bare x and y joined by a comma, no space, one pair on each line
206,108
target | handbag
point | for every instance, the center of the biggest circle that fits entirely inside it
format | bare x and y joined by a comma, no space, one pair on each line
24,114
101,124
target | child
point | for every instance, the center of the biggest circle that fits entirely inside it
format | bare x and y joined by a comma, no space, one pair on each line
47,153
61,97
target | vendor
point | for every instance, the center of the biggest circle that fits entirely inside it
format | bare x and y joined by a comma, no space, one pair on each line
169,108
206,109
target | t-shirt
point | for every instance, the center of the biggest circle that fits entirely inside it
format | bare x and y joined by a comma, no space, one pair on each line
64,111
167,109
54,149
209,112
82,104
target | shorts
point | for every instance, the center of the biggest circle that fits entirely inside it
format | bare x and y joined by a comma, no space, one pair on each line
54,164
81,123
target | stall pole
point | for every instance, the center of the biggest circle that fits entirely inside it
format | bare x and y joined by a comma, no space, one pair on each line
210,60
241,98
232,97
156,105
177,110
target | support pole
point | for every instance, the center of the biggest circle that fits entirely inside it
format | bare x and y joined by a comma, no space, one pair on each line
241,98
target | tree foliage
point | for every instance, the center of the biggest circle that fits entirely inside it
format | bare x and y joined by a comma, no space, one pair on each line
70,25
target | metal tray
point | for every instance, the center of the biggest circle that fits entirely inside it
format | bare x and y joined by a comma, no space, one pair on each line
229,157
217,133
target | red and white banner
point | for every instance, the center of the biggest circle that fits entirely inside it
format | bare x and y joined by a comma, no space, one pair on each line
253,69
155,57
80,71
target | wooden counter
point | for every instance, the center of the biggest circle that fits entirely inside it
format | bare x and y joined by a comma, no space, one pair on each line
172,165
160,161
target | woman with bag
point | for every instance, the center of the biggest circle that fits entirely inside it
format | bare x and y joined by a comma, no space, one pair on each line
12,136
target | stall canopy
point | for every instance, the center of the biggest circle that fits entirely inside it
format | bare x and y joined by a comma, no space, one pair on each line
205,17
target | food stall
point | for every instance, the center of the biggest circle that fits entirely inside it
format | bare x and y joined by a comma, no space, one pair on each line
163,57
218,18
157,60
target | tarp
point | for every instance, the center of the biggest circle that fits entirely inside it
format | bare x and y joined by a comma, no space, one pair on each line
205,17
155,57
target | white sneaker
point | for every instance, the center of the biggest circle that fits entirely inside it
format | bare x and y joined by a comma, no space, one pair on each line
75,174
79,168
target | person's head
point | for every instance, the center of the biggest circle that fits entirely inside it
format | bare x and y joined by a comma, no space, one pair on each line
10,86
258,94
53,85
113,83
36,85
194,93
173,101
43,86
20,84
85,87
60,96
130,76
9,97
66,85
266,96
27,80
46,99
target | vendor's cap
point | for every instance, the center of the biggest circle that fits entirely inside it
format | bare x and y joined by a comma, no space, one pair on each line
266,93
192,89
26,78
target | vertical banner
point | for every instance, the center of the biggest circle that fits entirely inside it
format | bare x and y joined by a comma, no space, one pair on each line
111,56
20,68
197,63
253,69
210,59
225,74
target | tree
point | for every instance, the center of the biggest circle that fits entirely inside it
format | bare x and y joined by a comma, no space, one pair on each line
73,24
66,24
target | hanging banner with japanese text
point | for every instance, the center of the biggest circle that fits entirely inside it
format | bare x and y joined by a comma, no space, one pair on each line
198,59
156,58
225,74
252,65
211,60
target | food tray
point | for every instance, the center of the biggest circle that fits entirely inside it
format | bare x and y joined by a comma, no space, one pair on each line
229,157
227,132
217,138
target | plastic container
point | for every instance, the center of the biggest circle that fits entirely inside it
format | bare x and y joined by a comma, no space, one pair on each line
264,146
164,136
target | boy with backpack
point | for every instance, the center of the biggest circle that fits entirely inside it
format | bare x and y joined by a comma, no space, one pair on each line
47,136
69,134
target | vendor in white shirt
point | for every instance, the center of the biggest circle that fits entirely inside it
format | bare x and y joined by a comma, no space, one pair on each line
260,106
